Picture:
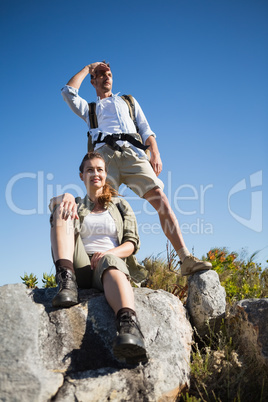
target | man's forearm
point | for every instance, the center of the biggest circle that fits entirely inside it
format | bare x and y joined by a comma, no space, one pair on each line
153,148
78,78
155,159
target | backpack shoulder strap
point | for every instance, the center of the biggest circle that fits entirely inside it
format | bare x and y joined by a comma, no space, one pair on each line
92,115
117,202
131,106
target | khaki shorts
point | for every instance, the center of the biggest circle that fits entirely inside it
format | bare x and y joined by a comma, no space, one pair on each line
87,278
128,168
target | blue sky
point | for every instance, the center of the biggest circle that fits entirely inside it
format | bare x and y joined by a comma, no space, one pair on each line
199,70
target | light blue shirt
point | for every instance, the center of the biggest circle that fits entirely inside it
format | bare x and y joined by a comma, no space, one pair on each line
112,114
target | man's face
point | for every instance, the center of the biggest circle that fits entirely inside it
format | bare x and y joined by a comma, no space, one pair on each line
103,80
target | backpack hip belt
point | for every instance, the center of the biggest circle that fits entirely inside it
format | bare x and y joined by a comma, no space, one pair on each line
110,140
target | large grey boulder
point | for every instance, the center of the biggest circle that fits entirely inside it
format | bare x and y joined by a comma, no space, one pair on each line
249,319
23,375
66,354
206,301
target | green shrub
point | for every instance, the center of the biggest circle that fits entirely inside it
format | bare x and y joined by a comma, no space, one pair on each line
49,281
30,280
241,279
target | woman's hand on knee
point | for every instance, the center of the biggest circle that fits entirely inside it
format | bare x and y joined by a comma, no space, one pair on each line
68,206
95,259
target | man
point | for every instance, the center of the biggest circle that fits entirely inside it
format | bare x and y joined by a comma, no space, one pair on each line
126,159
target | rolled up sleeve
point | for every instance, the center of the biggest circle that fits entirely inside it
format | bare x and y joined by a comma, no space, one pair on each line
144,127
77,104
130,227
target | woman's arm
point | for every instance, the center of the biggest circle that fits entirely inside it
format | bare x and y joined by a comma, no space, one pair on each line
124,250
130,227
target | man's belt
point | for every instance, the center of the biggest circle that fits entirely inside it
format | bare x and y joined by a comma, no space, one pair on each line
111,141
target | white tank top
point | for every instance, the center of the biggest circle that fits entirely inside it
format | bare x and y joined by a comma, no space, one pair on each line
98,232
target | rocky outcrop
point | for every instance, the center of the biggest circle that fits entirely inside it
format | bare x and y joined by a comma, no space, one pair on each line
249,319
22,371
66,354
206,302
49,354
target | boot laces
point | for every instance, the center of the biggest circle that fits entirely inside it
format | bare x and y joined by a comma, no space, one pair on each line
126,321
66,280
191,257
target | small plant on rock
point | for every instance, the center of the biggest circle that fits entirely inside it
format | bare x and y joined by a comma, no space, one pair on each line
49,281
30,280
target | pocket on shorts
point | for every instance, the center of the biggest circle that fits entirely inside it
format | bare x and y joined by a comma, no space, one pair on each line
106,152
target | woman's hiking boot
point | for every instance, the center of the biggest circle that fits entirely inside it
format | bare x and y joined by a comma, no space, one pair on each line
192,265
128,345
67,295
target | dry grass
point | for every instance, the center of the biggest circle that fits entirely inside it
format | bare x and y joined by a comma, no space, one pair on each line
221,373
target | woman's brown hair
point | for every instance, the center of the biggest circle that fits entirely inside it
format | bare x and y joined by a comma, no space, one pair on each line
108,191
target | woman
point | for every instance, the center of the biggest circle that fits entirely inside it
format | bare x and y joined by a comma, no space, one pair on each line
91,239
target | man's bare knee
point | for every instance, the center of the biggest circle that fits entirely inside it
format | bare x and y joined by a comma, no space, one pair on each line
157,198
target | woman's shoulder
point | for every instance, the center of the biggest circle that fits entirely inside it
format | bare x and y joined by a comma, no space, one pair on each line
119,200
121,203
84,204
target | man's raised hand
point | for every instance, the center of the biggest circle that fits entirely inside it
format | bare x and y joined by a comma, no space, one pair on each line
98,66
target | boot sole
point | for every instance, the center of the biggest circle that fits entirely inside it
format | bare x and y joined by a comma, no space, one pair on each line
193,271
64,303
129,349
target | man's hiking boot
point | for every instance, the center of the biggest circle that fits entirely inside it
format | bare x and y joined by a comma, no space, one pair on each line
192,265
67,295
128,345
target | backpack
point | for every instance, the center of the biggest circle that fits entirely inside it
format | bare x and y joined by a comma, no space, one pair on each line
94,122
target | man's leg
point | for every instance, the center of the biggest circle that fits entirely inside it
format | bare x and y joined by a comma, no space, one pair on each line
171,228
62,243
138,174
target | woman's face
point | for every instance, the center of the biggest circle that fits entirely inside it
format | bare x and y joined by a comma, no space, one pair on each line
94,174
